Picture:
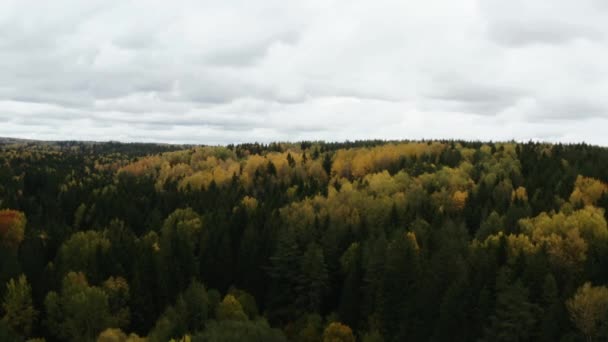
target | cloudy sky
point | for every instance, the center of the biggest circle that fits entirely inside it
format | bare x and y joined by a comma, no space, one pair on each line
228,71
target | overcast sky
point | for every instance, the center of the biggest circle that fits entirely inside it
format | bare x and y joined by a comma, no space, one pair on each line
218,72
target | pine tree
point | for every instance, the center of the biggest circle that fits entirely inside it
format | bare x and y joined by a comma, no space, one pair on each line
514,317
313,279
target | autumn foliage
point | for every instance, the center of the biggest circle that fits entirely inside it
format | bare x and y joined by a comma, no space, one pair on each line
12,228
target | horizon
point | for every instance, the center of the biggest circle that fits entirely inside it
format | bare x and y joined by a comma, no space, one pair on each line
384,141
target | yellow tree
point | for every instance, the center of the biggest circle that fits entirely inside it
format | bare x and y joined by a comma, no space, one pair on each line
338,332
588,308
587,190
230,309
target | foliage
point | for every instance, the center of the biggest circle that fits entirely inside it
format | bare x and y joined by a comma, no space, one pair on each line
20,313
588,310
338,332
397,240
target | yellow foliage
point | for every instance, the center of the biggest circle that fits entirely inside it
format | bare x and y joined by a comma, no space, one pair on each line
519,194
144,166
459,199
516,245
588,308
252,164
587,190
568,252
589,222
251,203
338,332
381,183
117,335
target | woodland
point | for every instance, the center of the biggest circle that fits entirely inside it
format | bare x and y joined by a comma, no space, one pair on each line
312,241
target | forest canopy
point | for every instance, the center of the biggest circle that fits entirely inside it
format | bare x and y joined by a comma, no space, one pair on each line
311,241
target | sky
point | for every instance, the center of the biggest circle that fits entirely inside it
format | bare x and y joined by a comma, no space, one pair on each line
231,71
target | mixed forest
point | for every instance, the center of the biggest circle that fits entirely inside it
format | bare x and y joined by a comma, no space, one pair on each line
357,241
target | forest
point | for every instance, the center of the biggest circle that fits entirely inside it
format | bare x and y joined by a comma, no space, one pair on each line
312,241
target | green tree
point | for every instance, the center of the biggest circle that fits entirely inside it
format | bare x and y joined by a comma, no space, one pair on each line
179,245
247,302
118,293
188,315
242,331
515,317
400,287
350,299
80,312
550,319
84,252
192,307
313,279
284,273
20,313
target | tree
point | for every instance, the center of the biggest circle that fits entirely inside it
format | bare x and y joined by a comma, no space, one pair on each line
180,242
192,307
350,298
587,190
399,287
247,301
20,313
188,315
515,317
284,273
12,228
550,320
230,309
117,290
313,279
588,310
493,224
84,252
80,312
338,332
117,335
242,331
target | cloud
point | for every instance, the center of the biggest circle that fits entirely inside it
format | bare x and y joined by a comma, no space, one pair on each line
521,22
236,71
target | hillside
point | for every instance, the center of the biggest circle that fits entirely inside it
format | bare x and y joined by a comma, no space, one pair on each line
366,240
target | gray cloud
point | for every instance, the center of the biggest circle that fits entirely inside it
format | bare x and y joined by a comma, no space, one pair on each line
521,22
235,71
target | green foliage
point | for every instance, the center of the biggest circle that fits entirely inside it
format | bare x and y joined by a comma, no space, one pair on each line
80,312
247,301
514,318
313,279
180,241
84,252
239,331
20,314
189,314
